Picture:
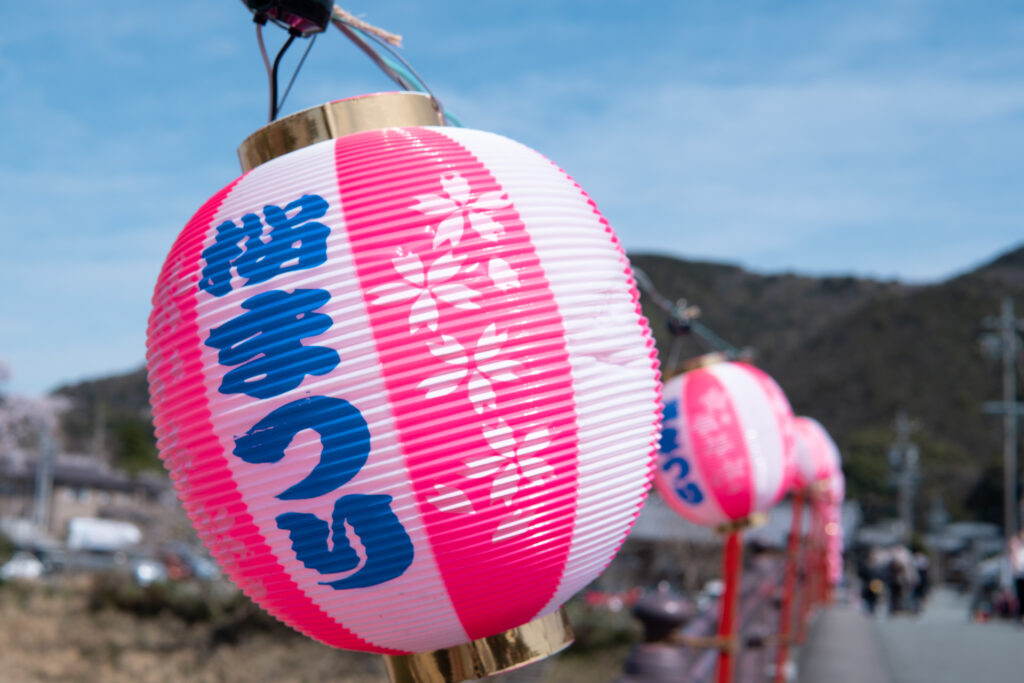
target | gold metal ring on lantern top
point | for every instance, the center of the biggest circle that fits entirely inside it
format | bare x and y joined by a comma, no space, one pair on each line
488,656
704,361
335,119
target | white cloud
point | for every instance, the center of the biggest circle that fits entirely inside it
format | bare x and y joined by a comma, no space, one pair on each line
760,172
821,137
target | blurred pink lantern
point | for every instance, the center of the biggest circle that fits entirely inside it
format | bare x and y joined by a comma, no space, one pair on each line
726,444
837,483
817,457
819,472
403,386
834,543
816,466
834,524
726,454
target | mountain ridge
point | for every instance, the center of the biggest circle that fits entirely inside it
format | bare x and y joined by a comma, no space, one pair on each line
849,351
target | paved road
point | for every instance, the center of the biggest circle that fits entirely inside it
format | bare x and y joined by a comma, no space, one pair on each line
842,647
942,646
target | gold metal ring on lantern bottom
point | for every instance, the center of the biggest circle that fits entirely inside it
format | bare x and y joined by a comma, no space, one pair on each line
754,519
488,656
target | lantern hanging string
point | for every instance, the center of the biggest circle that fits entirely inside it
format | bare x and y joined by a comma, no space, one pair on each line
390,62
681,320
296,72
263,52
338,14
378,44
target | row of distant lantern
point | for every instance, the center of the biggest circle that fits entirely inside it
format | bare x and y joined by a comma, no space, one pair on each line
403,386
731,449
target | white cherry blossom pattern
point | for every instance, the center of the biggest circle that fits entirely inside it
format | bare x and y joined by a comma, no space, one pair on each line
598,312
515,524
515,462
716,402
482,367
502,275
457,207
426,287
714,414
450,499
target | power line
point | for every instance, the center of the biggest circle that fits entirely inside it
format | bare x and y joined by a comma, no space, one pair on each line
1007,324
681,318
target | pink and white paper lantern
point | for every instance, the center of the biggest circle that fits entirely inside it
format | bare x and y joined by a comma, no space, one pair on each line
817,456
834,543
726,444
819,466
403,386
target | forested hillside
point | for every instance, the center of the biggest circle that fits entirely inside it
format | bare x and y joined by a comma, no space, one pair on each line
850,352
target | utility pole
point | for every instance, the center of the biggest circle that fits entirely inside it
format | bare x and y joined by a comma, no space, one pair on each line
1007,325
44,477
99,431
904,457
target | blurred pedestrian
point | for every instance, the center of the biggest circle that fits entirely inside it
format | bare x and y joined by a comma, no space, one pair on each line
923,566
1017,567
902,577
873,574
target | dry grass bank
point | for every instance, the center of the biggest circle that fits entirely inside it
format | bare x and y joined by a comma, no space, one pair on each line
78,631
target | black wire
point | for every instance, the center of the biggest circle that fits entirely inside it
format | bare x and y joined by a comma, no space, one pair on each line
296,72
702,332
273,76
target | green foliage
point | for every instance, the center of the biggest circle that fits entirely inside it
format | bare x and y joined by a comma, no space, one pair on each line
867,474
599,628
6,548
985,498
850,352
133,448
112,414
228,612
853,352
114,590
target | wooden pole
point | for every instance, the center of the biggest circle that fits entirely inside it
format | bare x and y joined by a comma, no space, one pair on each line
788,587
732,567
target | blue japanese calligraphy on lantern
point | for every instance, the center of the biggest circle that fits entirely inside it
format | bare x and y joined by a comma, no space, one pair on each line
673,461
266,343
264,346
295,241
344,442
389,551
687,491
344,449
669,436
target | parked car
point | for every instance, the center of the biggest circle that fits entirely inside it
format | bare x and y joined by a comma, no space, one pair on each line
185,562
147,570
22,565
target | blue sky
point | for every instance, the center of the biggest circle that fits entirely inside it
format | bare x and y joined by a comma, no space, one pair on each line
881,139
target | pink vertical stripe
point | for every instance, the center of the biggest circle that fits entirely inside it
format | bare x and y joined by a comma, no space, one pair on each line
447,373
717,436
